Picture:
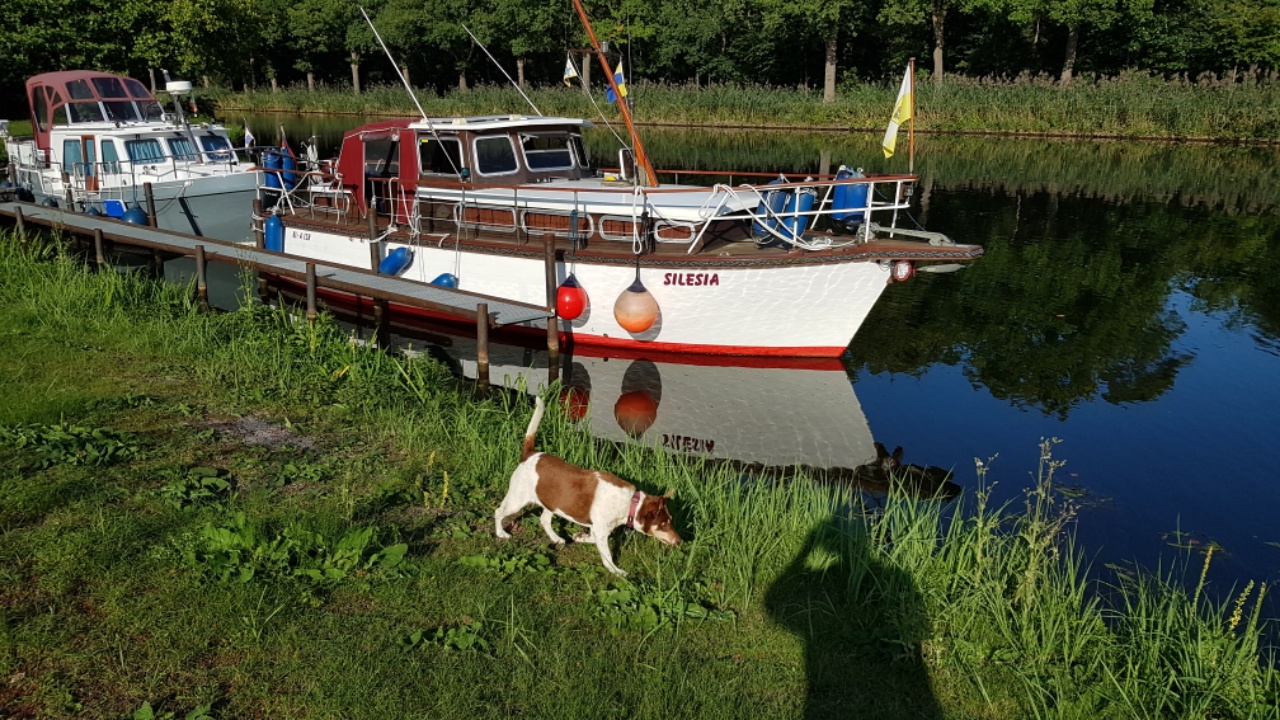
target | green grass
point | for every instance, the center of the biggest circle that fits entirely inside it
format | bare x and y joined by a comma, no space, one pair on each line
1244,108
338,562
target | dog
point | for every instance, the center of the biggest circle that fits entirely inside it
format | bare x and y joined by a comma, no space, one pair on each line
599,500
887,471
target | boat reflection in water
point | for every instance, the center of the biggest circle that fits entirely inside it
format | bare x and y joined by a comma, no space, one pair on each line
766,416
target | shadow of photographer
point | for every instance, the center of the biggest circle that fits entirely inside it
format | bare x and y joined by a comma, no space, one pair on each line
862,624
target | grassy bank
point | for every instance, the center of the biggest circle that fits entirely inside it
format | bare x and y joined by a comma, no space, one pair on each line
241,515
1131,106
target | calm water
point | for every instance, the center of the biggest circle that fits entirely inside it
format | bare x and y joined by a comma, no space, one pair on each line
1128,305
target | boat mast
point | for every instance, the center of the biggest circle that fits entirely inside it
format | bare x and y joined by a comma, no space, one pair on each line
649,178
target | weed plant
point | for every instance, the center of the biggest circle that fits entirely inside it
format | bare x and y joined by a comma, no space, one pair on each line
1242,106
368,584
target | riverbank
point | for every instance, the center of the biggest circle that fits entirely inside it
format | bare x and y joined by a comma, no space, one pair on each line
239,511
1130,106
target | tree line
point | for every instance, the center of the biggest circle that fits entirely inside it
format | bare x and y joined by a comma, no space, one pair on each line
811,43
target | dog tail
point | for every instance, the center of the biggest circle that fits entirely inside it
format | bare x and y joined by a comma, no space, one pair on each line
538,409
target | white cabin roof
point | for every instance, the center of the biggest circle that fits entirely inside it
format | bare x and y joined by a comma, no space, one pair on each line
498,122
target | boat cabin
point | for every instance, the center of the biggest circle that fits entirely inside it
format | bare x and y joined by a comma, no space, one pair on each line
392,159
81,97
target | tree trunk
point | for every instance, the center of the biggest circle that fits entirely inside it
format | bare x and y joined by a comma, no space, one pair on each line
275,86
824,161
829,81
153,80
205,78
355,71
311,81
939,20
462,80
1069,62
520,72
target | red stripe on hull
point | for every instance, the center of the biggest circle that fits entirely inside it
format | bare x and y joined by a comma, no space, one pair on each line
812,358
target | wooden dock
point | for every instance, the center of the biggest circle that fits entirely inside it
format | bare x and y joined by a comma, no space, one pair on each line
487,311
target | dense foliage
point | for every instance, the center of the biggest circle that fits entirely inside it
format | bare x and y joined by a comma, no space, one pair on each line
836,44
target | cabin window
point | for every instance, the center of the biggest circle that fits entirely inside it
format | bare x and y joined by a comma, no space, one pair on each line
547,152
85,112
109,87
580,151
137,89
71,159
110,159
182,149
144,151
151,110
495,155
121,111
59,114
439,157
79,90
381,158
41,109
217,147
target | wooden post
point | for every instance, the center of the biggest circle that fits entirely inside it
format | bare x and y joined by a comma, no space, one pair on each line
549,264
375,247
381,332
99,255
482,344
259,237
553,337
157,265
202,282
151,205
22,224
311,293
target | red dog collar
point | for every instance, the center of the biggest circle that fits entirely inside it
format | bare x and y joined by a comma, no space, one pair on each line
631,514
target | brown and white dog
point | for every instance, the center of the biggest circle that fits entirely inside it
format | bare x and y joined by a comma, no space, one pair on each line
599,500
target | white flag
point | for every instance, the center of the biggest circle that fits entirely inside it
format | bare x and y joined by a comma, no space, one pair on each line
570,72
248,136
901,114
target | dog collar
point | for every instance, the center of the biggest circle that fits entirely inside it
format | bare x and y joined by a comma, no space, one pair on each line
631,514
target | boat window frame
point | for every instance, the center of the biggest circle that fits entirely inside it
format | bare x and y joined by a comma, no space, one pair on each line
475,153
130,144
73,111
121,111
108,86
423,171
223,152
111,165
189,153
568,149
71,146
79,90
41,109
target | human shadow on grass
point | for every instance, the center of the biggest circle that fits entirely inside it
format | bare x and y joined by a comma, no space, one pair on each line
862,624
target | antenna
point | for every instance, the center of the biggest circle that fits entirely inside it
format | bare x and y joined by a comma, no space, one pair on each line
395,65
503,70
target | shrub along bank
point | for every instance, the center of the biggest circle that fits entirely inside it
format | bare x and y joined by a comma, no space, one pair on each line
238,514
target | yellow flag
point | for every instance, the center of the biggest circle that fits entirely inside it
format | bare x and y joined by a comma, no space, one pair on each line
901,114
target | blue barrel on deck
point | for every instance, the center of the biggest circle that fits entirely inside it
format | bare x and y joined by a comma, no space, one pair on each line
801,201
288,163
273,234
396,261
848,198
271,162
773,200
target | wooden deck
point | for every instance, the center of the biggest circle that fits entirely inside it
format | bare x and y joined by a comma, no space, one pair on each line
358,282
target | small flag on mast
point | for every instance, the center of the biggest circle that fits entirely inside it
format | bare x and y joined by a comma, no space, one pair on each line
248,136
620,81
570,72
901,114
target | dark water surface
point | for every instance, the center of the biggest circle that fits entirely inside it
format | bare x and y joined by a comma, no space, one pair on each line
1128,305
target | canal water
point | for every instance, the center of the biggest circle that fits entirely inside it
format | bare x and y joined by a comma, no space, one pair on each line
1127,307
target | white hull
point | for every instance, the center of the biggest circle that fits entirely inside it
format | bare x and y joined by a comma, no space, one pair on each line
793,310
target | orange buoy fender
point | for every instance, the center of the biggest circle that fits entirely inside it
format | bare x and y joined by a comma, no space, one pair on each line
635,412
571,299
635,309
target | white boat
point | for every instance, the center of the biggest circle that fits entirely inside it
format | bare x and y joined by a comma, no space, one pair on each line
99,139
511,206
